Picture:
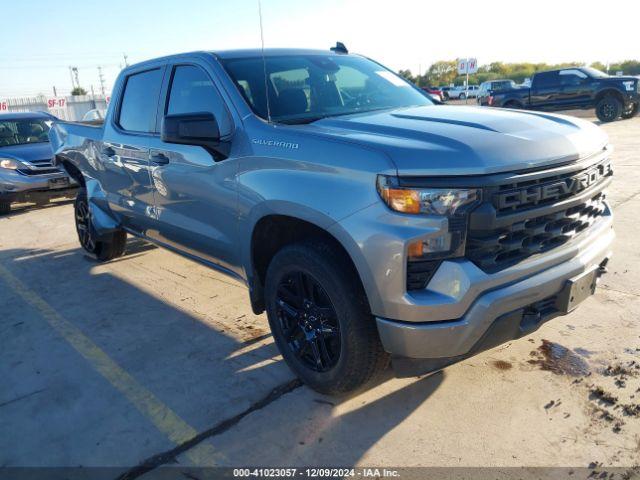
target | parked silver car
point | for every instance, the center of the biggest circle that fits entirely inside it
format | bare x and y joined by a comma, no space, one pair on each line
26,169
461,92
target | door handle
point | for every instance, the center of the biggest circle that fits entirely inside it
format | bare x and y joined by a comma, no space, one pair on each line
108,151
159,158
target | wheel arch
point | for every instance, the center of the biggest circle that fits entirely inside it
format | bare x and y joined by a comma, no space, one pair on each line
73,171
274,231
512,101
609,91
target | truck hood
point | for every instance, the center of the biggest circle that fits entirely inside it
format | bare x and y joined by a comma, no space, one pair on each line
456,140
28,152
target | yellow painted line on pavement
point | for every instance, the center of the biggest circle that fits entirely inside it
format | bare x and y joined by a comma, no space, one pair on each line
162,417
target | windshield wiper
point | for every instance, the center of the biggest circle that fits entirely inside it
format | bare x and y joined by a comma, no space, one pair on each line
302,120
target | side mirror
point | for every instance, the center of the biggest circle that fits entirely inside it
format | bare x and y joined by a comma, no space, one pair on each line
191,129
200,129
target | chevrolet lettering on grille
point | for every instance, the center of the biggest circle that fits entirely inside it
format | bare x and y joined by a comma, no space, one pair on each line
547,191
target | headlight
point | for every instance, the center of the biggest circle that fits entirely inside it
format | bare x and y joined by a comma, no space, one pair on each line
9,163
426,201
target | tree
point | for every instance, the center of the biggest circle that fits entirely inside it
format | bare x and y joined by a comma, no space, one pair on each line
443,72
78,91
407,75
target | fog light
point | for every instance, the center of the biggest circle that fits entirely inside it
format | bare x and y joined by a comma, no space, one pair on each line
441,243
420,248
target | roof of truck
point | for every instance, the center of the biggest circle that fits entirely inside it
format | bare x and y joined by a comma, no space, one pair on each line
270,52
240,53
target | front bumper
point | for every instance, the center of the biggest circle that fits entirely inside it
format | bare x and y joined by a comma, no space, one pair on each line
15,186
496,316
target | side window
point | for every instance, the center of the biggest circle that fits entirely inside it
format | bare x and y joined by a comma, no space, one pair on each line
572,77
193,91
247,89
140,101
546,80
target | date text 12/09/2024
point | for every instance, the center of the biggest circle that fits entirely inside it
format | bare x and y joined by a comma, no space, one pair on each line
315,472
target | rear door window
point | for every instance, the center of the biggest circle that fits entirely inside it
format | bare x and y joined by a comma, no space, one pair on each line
140,101
546,80
572,77
193,91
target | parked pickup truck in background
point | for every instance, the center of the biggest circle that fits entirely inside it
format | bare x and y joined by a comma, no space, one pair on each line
27,172
572,88
492,86
369,224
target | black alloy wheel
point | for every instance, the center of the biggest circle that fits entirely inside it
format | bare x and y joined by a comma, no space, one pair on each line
631,111
108,246
608,109
308,321
83,225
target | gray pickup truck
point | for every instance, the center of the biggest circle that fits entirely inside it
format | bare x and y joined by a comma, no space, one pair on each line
369,223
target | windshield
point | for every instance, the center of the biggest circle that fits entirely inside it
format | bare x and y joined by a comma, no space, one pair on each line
23,131
594,73
305,88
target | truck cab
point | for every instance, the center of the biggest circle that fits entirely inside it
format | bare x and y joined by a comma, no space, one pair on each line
575,88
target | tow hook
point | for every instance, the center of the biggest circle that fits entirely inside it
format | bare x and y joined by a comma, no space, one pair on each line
602,269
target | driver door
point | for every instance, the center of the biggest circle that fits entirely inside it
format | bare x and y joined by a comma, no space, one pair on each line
195,192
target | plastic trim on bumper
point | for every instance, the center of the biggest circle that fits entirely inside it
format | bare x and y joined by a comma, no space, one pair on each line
456,338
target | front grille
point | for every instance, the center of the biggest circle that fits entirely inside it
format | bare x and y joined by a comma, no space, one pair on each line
40,171
42,163
523,195
39,167
508,246
519,219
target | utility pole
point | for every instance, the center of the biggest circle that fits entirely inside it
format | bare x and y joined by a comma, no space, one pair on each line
101,77
71,75
126,63
55,93
74,70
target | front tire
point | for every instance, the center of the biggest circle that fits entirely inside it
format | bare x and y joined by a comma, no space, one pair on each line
320,319
608,109
462,96
104,248
631,111
512,105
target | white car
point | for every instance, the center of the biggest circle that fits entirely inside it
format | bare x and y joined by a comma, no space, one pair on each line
462,92
95,115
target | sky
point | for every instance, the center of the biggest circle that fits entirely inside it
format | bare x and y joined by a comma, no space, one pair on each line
41,38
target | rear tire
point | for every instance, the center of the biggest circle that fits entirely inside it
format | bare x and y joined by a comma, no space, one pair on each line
630,112
608,109
108,246
5,207
320,319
